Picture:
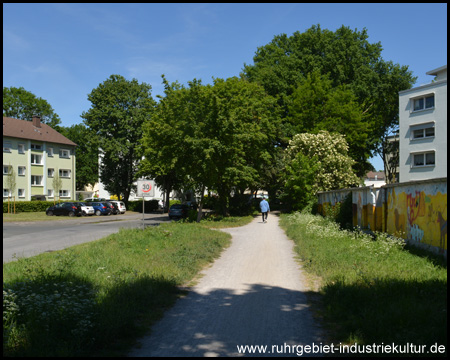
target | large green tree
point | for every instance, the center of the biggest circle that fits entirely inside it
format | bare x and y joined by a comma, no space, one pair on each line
86,154
220,137
19,103
162,145
119,109
348,58
317,105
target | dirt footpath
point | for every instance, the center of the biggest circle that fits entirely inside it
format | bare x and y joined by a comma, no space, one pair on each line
252,295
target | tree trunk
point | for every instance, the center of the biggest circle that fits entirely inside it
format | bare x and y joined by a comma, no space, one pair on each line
199,214
167,199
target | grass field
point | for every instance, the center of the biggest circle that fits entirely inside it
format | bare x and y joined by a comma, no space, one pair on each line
95,299
34,216
372,292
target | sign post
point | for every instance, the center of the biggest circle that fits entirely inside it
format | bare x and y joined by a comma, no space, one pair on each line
145,188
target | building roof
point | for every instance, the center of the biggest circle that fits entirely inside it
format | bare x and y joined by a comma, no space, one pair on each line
33,130
437,71
371,175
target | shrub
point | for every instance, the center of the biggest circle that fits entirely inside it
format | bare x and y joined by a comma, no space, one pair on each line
28,206
136,205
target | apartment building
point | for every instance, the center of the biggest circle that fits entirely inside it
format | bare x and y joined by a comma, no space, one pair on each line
423,129
36,154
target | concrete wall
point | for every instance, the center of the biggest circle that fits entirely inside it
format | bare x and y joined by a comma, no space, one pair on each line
415,211
327,200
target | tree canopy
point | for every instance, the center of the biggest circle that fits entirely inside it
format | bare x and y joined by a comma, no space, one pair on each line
86,154
19,103
315,105
218,136
119,109
350,63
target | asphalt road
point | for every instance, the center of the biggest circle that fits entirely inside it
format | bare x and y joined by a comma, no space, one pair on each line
254,294
24,239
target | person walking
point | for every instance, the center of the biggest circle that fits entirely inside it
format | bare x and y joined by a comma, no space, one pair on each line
264,205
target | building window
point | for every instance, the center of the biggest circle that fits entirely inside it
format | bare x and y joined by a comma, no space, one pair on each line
64,153
36,147
50,193
423,103
50,172
7,146
424,159
50,152
21,170
21,193
36,180
6,169
6,192
36,159
64,173
21,148
64,193
423,133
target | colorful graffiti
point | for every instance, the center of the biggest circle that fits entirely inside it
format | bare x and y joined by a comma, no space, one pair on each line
418,213
366,212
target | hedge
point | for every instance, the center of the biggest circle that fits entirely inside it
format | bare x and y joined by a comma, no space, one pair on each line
150,205
27,206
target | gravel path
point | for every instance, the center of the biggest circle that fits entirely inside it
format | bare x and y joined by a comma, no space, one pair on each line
252,295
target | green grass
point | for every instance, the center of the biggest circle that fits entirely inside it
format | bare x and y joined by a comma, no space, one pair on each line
372,292
220,222
41,216
95,299
34,216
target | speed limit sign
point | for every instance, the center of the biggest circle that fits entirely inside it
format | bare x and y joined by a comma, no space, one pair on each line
145,188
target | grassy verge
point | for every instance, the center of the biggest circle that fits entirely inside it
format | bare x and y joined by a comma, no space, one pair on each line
220,222
95,299
373,292
34,216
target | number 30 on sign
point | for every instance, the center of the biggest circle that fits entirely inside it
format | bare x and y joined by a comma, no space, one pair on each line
145,188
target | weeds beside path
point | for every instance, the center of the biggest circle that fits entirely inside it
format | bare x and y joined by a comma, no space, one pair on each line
94,299
373,292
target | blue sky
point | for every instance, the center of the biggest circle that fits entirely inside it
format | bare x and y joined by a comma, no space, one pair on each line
61,52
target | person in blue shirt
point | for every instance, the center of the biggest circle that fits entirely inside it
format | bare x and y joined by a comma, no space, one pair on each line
264,205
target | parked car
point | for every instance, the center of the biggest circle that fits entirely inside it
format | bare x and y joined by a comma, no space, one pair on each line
178,211
93,199
100,208
120,205
114,208
86,209
65,208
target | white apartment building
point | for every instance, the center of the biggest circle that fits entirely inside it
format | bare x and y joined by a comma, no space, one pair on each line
423,129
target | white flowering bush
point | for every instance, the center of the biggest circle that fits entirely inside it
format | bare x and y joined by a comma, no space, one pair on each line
48,308
53,310
329,152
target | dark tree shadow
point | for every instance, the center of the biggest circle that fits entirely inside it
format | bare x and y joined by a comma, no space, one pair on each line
216,323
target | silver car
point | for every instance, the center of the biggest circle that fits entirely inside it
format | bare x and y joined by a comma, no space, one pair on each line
120,205
86,209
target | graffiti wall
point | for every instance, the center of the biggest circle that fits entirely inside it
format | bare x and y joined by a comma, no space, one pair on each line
328,200
417,212
367,208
